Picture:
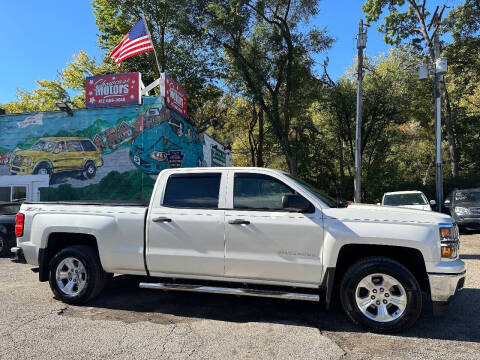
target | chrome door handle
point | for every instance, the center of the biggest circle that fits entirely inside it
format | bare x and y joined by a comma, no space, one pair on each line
162,219
239,222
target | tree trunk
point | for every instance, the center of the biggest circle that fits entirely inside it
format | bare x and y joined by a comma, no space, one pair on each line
452,145
261,135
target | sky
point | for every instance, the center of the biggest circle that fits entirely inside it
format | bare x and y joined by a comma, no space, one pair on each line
40,37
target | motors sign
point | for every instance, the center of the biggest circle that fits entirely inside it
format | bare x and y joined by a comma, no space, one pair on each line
113,90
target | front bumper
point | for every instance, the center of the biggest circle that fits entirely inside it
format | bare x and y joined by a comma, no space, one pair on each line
444,286
473,222
20,170
18,256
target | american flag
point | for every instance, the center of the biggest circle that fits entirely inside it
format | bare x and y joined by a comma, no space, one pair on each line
137,41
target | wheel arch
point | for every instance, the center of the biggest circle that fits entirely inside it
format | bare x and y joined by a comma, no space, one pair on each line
57,241
349,254
43,161
409,257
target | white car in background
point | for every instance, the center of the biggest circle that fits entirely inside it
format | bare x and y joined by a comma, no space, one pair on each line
408,199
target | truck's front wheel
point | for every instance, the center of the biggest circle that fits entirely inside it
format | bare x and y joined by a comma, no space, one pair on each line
76,275
381,295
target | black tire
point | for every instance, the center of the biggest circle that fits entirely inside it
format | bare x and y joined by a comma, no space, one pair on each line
95,276
4,245
382,265
42,169
89,170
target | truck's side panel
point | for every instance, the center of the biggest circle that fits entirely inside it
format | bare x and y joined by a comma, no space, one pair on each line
119,232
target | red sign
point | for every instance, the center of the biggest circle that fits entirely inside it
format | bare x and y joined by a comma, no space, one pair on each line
175,96
112,90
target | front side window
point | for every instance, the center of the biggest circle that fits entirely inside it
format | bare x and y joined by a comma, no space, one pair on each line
59,148
258,192
192,191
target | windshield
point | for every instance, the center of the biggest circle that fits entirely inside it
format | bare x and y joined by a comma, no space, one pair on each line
9,209
405,199
330,201
42,145
467,196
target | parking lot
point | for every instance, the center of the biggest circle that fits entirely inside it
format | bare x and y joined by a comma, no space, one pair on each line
126,322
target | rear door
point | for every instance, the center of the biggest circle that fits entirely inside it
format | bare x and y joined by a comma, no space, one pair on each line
61,158
186,225
265,242
76,155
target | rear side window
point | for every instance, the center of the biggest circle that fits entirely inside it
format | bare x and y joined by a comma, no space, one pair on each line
74,146
88,146
192,191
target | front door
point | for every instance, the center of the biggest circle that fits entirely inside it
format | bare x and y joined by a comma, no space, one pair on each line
186,227
265,242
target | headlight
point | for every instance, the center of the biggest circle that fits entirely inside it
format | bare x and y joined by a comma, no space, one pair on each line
449,237
158,155
462,211
27,161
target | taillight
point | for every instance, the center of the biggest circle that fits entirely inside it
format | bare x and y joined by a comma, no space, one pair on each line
19,220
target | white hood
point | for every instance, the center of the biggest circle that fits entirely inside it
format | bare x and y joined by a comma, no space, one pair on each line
366,212
418,207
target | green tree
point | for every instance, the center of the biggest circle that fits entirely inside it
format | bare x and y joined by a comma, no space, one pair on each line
41,99
412,21
267,48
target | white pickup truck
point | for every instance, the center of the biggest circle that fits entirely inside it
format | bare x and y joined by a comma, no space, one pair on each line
249,231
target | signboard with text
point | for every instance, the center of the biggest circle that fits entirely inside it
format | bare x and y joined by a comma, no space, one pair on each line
175,96
113,90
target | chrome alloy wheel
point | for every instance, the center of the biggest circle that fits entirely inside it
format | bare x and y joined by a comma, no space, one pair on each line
381,297
71,276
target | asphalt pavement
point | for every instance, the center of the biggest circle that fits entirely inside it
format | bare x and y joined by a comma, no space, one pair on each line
130,323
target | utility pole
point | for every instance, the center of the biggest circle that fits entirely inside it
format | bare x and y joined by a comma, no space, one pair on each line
439,66
361,44
438,126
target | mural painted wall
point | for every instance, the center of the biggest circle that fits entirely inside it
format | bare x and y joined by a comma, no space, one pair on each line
108,153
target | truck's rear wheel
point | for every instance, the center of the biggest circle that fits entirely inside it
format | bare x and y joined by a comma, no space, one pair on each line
76,275
381,295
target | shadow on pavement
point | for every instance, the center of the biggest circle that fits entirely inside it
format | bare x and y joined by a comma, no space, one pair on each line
123,301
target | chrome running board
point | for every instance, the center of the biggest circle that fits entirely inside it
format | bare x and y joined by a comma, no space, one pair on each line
231,291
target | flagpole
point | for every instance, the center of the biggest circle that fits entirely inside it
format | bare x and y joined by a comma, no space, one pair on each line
154,51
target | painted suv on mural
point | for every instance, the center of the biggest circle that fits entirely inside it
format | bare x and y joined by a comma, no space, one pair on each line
51,155
167,141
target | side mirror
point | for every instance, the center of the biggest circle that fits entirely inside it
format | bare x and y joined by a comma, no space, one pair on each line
447,203
342,203
433,202
295,202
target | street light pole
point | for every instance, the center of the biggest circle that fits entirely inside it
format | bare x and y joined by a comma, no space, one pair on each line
361,44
